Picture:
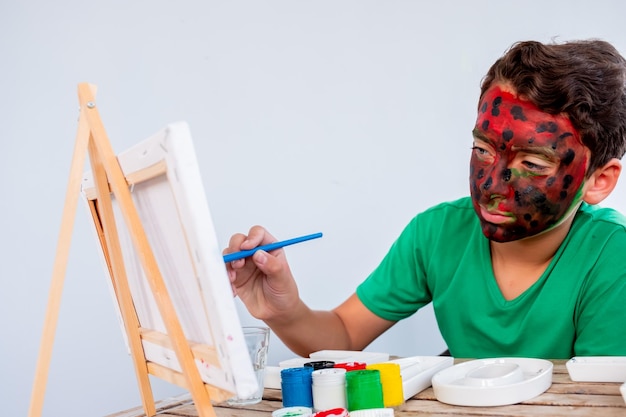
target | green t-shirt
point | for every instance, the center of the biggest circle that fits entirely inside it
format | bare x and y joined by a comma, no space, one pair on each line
576,308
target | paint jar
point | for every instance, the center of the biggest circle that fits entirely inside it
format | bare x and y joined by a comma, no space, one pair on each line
391,380
292,412
364,390
320,364
351,366
295,384
333,412
373,412
329,388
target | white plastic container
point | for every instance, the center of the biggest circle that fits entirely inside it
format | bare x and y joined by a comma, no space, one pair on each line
329,388
597,368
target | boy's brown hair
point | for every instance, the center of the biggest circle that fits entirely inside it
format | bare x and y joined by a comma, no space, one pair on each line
584,79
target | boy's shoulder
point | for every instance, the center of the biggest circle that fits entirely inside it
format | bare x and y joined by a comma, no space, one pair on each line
451,217
604,217
461,207
598,229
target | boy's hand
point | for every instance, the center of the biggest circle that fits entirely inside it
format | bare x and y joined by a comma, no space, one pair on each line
263,282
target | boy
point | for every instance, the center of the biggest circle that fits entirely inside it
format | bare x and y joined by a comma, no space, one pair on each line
525,266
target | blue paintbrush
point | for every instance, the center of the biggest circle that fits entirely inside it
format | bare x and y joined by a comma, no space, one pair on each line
276,245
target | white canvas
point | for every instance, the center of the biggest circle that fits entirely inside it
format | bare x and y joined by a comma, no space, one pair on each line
169,196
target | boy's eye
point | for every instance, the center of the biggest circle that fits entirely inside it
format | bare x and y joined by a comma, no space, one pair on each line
533,166
482,153
479,150
536,164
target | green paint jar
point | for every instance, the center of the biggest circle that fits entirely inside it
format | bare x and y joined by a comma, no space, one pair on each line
364,390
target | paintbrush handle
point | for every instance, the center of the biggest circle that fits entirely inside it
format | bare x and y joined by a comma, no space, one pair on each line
269,247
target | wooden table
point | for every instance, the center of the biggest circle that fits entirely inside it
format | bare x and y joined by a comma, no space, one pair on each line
564,398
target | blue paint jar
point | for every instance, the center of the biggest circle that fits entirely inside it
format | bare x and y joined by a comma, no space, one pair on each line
295,384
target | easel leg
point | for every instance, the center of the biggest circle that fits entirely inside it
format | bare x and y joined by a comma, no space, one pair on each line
59,269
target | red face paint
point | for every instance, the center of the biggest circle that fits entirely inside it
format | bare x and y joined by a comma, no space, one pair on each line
527,167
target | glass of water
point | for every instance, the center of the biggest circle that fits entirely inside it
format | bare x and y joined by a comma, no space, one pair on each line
257,340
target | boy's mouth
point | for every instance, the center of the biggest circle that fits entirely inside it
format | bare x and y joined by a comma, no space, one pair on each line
496,216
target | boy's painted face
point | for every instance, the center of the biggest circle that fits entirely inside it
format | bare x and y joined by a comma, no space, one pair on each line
527,167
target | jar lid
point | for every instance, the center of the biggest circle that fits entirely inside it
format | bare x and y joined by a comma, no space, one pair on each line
296,375
373,412
333,412
329,376
292,412
320,364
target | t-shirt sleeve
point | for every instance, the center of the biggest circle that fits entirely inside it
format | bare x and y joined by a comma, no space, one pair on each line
601,330
397,287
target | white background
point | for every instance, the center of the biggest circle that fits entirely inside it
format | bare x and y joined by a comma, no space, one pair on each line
345,117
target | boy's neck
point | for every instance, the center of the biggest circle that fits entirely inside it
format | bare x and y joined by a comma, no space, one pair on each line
519,264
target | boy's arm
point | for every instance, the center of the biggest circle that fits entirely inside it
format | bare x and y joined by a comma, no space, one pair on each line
350,326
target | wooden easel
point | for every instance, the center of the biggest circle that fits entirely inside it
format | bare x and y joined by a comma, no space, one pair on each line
92,139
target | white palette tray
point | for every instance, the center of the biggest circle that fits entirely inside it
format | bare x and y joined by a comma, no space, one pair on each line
597,368
339,356
493,382
417,372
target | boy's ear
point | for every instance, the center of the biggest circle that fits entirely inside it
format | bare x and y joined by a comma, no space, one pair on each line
602,182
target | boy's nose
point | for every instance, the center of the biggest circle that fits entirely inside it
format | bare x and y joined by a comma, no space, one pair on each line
501,182
498,180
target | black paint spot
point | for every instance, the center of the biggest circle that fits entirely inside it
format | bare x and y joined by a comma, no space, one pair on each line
569,157
487,183
565,135
507,135
567,181
485,124
550,181
483,108
546,127
539,199
481,174
534,223
531,140
495,110
527,217
519,230
563,195
506,175
503,146
518,113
